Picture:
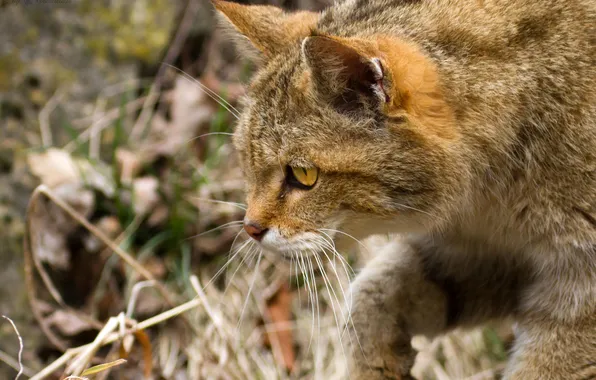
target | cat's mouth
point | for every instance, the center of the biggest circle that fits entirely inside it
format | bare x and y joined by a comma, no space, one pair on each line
300,245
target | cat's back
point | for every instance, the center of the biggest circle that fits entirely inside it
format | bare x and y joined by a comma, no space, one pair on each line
520,76
469,27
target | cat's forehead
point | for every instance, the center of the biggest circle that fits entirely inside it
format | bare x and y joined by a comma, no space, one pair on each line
275,83
276,101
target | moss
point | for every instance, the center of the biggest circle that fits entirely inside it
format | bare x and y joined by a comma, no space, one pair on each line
10,66
136,30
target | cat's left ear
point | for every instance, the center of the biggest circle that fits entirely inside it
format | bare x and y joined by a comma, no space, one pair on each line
264,31
348,73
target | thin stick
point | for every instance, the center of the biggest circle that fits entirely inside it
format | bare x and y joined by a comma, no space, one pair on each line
42,189
194,281
14,364
134,295
103,122
44,117
78,366
30,263
173,51
114,336
20,357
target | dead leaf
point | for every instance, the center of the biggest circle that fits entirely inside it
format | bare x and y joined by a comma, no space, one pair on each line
129,165
50,225
53,167
190,111
69,324
158,215
56,167
145,194
143,339
102,367
279,307
148,304
109,225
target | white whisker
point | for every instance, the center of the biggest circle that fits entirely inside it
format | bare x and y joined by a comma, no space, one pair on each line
345,234
420,211
295,257
252,284
236,223
332,295
245,258
212,94
316,293
236,253
241,206
210,134
331,245
310,299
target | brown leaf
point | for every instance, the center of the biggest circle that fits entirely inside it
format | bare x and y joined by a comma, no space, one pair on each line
143,339
50,225
279,307
145,194
129,165
53,167
69,324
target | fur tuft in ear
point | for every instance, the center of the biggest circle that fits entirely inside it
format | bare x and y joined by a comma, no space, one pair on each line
267,28
344,73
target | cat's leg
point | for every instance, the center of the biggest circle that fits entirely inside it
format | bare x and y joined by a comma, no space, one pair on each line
553,351
391,301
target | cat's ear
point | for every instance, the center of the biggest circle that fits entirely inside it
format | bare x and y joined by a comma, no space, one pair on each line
263,30
344,73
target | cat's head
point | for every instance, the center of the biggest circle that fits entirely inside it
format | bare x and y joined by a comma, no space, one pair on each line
339,133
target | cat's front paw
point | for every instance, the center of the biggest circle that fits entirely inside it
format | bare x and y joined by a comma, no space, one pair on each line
379,348
361,371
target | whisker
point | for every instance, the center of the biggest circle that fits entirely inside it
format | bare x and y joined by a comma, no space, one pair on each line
295,258
241,206
252,284
245,258
316,293
345,234
236,223
310,299
329,244
332,295
349,318
418,210
334,266
210,134
236,253
212,94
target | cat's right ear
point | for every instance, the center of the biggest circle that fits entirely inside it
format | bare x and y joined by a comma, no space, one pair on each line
263,31
345,72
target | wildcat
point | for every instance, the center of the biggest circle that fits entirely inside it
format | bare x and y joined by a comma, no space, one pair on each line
467,128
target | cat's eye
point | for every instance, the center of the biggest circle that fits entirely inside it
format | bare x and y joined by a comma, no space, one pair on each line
303,178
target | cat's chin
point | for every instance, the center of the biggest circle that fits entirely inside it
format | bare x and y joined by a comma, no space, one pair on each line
303,244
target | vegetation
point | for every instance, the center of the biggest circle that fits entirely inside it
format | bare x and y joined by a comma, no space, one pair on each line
133,241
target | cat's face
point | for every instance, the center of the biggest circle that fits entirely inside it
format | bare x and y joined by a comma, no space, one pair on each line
330,140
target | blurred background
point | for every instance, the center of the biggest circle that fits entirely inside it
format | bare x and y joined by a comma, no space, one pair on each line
123,110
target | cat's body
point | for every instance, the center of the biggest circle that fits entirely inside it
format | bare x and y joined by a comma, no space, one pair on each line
469,127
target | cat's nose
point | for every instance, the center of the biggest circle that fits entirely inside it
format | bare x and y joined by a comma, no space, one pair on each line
255,230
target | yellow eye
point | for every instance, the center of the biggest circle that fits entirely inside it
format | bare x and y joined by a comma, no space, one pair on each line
305,176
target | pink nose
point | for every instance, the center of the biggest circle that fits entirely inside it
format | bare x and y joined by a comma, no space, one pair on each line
254,230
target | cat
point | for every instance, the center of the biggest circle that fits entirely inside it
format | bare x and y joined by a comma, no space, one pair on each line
468,129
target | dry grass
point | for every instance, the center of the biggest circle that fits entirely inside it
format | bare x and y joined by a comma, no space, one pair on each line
203,328
227,342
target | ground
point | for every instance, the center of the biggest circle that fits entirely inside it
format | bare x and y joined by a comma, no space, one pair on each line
88,109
